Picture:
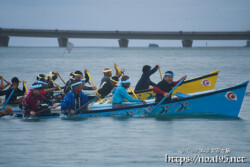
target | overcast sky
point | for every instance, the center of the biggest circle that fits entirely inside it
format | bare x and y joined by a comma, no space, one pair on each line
125,15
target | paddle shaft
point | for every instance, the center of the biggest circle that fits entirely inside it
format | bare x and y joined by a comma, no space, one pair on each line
5,80
86,104
169,93
116,67
25,86
160,72
122,75
92,82
58,87
61,78
42,110
6,102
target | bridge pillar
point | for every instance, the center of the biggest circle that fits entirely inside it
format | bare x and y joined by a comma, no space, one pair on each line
62,41
248,43
187,43
123,43
4,41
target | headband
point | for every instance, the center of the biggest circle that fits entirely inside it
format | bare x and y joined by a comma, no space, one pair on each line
36,86
127,81
113,80
50,75
169,74
78,83
42,77
41,82
75,74
104,71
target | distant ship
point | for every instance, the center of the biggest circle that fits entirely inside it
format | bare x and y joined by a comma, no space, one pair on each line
153,45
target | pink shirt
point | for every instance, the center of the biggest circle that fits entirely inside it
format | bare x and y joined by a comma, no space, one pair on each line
31,100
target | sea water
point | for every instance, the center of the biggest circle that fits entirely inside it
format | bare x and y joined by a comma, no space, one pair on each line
123,142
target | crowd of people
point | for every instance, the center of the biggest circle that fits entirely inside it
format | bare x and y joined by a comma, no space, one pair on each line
72,99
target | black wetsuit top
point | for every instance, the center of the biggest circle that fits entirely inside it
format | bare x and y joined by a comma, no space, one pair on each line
145,81
105,89
16,93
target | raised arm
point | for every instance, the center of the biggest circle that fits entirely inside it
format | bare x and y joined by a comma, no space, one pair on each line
154,69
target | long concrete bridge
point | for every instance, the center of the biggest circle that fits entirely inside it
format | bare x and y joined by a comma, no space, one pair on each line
122,36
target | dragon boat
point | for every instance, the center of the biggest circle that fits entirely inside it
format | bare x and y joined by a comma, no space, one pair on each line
222,102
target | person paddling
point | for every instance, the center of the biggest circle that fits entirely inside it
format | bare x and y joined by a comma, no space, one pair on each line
145,81
120,93
30,104
108,86
73,76
165,86
51,87
14,85
69,83
107,72
48,86
75,99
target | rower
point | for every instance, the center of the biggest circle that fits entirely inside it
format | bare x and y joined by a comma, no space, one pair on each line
108,86
73,76
165,86
51,87
18,92
48,86
30,104
145,81
120,93
107,72
69,83
75,99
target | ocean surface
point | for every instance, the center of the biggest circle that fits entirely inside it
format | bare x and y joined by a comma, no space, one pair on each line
123,142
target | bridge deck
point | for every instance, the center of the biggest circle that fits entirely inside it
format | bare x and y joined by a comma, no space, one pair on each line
161,35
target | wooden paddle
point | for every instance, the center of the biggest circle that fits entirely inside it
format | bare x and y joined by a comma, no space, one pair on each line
87,72
123,75
6,102
41,111
60,77
160,72
58,87
86,104
169,93
25,86
5,80
46,109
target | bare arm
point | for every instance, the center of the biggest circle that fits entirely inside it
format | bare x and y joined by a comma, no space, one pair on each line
2,86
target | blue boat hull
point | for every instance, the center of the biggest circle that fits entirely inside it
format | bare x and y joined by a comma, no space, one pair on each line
225,102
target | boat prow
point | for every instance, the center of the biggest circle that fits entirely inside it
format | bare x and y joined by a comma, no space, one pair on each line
225,102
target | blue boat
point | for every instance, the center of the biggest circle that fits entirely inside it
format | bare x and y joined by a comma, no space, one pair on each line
224,102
